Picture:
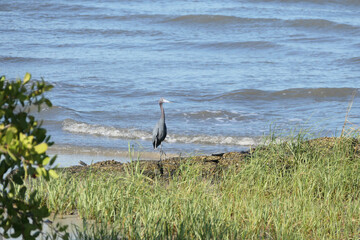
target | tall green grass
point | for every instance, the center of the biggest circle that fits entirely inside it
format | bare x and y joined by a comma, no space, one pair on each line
294,190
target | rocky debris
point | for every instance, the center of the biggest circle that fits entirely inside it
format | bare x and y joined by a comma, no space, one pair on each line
82,163
167,167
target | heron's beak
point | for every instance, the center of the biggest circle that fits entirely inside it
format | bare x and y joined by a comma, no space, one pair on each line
167,101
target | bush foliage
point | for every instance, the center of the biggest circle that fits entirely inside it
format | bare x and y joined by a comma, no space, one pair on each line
23,146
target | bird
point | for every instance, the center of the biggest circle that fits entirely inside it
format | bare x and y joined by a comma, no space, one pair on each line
160,130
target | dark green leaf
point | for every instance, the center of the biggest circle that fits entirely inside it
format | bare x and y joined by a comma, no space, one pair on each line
22,192
48,103
17,179
17,233
53,160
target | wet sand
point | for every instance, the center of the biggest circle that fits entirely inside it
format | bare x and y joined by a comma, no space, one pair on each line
69,157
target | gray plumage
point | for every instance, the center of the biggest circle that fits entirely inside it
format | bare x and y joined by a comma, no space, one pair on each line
160,130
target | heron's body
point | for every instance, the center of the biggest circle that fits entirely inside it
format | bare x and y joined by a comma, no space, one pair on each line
159,133
160,130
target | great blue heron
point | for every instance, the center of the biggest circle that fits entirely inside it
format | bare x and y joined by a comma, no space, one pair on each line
160,131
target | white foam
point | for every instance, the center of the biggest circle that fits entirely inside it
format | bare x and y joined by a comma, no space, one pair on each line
92,129
125,133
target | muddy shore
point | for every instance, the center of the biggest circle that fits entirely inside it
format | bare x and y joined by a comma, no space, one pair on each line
166,167
210,164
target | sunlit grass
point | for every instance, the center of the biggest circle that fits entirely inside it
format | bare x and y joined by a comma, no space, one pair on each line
294,190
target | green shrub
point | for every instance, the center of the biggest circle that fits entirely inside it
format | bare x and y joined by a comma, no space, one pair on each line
23,146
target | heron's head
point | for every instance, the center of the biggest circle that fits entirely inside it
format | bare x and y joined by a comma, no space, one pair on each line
163,100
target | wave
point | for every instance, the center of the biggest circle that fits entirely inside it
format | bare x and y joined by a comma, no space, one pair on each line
226,46
314,39
220,115
260,45
339,2
54,8
294,93
44,108
210,20
66,8
109,32
218,19
129,17
5,7
351,61
51,115
12,59
213,140
73,126
76,127
321,24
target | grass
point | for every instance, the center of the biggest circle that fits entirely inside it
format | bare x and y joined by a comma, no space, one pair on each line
295,190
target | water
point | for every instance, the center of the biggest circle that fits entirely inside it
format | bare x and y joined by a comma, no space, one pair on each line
232,68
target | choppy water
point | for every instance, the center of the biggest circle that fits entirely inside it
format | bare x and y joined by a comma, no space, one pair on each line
232,68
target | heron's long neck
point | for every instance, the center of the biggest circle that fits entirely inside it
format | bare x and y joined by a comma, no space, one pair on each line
162,111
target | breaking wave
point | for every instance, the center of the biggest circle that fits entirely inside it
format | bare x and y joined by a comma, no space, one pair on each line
76,127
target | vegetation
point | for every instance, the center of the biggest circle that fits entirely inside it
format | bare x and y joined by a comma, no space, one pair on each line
300,189
23,145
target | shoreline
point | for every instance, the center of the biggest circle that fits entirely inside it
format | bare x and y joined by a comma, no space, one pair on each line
167,167
88,155
210,163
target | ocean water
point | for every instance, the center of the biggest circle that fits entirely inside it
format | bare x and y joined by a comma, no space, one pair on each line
232,68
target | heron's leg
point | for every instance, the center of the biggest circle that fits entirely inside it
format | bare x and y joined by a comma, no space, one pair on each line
161,151
159,163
